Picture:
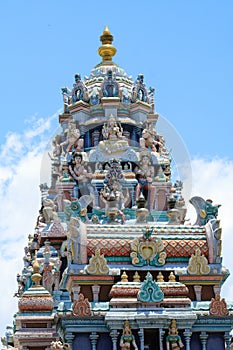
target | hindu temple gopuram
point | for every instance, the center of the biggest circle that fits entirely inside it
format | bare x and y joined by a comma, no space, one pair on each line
113,263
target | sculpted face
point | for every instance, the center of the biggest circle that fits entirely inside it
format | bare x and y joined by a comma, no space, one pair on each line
78,159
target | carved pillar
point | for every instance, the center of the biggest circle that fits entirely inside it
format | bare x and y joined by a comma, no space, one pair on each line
76,291
227,338
133,138
198,290
132,195
95,290
204,338
187,336
126,134
93,337
95,137
87,140
217,290
96,195
141,337
69,337
161,334
114,335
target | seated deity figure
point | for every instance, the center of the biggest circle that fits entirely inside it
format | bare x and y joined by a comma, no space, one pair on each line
73,140
145,176
112,131
114,140
173,340
127,338
81,175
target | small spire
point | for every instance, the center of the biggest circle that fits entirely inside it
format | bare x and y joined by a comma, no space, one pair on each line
36,277
160,277
124,277
172,277
136,277
106,50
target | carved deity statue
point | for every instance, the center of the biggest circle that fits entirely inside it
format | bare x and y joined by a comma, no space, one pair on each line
145,176
127,338
81,175
173,340
73,140
114,141
77,240
49,210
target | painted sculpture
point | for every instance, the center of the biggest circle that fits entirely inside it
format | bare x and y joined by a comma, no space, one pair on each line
127,338
173,340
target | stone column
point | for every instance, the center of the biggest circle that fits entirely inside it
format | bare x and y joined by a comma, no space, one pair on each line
141,337
227,338
114,335
69,337
132,195
203,337
96,196
198,289
95,137
76,291
217,290
87,139
187,336
93,337
95,290
161,334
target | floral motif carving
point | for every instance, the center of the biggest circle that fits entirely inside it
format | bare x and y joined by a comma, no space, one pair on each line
150,290
198,264
218,307
57,345
81,307
97,264
148,251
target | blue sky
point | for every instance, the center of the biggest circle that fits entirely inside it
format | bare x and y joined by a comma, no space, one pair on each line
183,48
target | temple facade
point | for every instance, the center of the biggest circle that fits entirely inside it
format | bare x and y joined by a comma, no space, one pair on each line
113,264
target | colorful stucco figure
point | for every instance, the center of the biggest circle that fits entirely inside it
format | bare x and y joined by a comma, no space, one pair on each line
173,340
127,339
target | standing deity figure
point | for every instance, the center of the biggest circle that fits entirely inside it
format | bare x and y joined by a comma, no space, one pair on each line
127,338
81,176
77,241
173,340
145,176
73,140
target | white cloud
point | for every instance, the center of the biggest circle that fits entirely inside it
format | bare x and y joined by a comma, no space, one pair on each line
20,165
214,179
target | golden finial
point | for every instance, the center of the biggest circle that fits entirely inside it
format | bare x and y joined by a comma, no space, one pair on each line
124,277
36,277
136,277
160,277
106,50
172,277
